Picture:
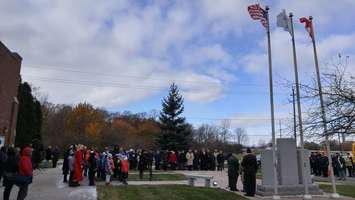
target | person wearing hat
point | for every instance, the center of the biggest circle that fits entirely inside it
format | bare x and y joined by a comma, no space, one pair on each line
250,166
25,173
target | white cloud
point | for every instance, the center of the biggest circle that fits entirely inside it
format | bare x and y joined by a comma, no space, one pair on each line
139,44
327,48
153,44
212,53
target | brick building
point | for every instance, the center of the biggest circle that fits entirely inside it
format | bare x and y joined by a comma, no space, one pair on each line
10,66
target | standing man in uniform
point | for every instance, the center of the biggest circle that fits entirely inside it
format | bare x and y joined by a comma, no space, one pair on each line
250,167
233,172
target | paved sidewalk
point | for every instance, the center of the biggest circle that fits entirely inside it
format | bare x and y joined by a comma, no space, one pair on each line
47,185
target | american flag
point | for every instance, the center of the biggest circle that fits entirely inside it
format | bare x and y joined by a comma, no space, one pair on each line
257,13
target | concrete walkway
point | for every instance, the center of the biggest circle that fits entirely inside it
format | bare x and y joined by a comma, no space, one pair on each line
48,185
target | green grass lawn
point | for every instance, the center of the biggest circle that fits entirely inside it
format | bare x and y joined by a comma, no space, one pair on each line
171,192
157,177
345,190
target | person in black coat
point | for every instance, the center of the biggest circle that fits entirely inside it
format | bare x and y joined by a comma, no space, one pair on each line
10,170
220,161
116,161
181,160
132,159
48,155
157,160
55,157
92,168
150,158
324,164
65,167
196,161
203,160
3,158
233,172
142,163
250,166
317,164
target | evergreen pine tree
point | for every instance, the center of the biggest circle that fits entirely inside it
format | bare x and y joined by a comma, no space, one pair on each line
174,131
38,118
29,117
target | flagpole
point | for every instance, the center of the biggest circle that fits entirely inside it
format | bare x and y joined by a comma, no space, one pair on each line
275,196
299,110
294,115
324,118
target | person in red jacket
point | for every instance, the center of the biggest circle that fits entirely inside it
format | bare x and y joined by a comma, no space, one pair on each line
172,160
26,172
124,169
78,166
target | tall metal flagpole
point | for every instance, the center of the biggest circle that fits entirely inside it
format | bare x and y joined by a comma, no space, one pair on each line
324,118
303,166
294,115
275,196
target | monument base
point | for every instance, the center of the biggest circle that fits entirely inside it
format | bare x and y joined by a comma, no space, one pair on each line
283,190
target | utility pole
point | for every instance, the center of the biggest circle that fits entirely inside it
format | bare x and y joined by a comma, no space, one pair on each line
280,128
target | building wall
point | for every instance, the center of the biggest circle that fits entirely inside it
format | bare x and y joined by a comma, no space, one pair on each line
10,66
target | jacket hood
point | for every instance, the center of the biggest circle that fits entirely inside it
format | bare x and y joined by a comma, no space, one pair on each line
26,151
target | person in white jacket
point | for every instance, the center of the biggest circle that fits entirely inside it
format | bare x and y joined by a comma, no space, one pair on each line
190,159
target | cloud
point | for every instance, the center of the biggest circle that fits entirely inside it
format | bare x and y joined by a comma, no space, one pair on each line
141,44
327,48
144,46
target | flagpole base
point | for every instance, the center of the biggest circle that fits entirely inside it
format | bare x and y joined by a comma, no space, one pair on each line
334,196
307,196
276,197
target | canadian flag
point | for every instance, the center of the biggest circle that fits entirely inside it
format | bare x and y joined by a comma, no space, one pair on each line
308,25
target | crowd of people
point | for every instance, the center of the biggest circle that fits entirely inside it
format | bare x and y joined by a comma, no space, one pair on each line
16,165
80,161
343,165
16,169
114,164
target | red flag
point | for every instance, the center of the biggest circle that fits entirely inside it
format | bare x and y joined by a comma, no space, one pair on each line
308,25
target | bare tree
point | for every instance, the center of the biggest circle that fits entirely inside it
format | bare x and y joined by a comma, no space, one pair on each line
206,134
339,101
225,132
241,136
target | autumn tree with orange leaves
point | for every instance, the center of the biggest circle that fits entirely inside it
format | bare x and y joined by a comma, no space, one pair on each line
85,124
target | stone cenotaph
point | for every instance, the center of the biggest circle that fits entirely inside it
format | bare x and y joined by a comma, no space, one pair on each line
290,181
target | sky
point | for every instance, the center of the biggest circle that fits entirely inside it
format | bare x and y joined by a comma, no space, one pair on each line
123,54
